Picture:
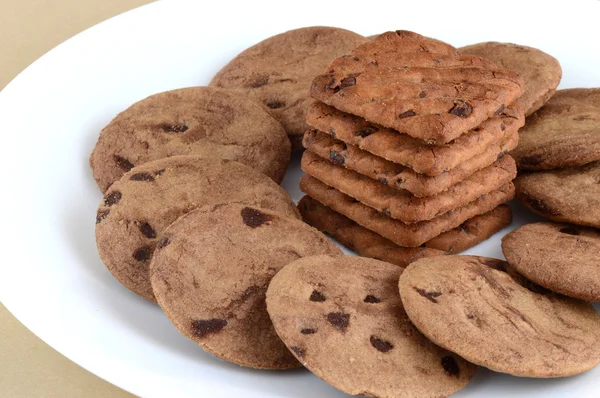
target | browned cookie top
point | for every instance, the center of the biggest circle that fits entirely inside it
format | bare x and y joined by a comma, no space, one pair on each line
278,71
566,195
565,132
202,121
342,318
541,72
561,257
211,270
136,209
475,308
416,85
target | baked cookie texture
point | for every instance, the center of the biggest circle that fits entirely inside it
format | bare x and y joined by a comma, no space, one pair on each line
416,85
277,72
561,257
212,268
565,132
202,121
569,195
422,157
480,309
395,175
342,318
402,234
402,205
370,244
136,209
540,71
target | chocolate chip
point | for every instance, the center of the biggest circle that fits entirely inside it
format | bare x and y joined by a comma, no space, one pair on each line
464,227
275,104
174,128
383,180
500,155
112,198
203,327
461,109
539,205
317,296
422,94
499,110
408,113
123,163
159,172
142,177
386,212
147,230
450,366
101,215
164,241
348,81
298,351
381,345
336,158
339,319
365,132
532,160
143,253
428,295
254,218
570,231
308,331
502,126
371,299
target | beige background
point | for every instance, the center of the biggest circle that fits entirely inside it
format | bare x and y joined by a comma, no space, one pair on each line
28,29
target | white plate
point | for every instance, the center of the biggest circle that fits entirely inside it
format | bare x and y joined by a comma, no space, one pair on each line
51,276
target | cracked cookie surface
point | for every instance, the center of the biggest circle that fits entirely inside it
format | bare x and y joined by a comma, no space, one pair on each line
481,309
136,209
342,318
202,121
211,271
277,71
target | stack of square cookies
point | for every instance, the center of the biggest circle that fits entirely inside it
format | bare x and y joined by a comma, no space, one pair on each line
409,140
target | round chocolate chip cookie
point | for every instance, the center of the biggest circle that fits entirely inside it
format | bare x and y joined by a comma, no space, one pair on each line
565,132
541,72
482,310
136,209
342,318
278,71
566,195
211,270
203,121
561,257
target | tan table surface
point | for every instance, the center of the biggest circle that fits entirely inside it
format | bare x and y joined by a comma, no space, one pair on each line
28,29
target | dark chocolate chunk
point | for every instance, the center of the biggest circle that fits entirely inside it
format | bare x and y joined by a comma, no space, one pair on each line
308,331
203,327
143,253
254,218
298,351
372,299
164,241
428,295
450,366
381,345
101,215
123,163
174,128
147,230
142,177
461,109
408,113
276,104
112,198
317,296
339,319
336,158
